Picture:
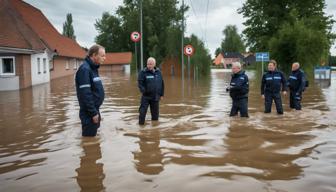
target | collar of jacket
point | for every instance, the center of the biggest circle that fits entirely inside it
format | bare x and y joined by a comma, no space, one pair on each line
241,72
155,69
296,71
275,71
91,63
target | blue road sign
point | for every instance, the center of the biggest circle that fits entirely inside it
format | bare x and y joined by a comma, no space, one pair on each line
262,56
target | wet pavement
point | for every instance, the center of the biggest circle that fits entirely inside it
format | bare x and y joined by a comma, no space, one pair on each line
194,147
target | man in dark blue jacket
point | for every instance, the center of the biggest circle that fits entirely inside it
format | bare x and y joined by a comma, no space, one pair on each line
272,83
296,84
151,85
239,88
90,91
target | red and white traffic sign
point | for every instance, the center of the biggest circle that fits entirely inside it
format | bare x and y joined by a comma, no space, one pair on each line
189,50
135,36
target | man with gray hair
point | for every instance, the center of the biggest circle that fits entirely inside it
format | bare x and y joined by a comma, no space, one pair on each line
297,84
90,90
151,85
239,88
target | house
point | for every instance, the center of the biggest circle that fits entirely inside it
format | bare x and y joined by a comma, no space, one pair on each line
117,62
32,51
249,59
227,58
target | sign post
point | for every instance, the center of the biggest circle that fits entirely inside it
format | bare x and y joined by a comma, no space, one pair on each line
189,51
262,56
136,37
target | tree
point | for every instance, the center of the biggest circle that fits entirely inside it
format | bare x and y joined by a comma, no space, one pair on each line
218,51
68,29
111,33
232,41
161,27
276,26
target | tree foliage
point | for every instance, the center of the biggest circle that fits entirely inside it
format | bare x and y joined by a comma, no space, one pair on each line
232,41
68,29
292,30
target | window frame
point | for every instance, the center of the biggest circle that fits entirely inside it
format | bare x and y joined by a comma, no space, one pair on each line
1,66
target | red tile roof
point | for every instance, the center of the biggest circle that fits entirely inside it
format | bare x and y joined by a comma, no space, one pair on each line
38,23
118,58
14,32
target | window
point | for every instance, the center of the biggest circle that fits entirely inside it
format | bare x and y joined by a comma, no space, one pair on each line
44,65
67,64
38,65
51,65
7,66
74,63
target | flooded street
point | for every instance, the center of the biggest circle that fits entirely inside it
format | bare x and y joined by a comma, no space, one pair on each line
194,147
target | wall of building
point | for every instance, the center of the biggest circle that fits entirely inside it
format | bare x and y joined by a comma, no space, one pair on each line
40,68
63,66
23,70
112,68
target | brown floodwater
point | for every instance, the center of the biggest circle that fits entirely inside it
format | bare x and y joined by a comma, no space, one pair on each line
194,147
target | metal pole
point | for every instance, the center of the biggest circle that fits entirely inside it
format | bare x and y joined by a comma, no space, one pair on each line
182,41
136,57
142,36
262,66
189,67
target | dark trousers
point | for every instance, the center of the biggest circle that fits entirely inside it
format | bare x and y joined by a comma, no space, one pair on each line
269,97
240,105
89,129
154,108
295,100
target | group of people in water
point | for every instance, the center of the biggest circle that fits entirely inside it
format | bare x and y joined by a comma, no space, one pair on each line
90,90
273,83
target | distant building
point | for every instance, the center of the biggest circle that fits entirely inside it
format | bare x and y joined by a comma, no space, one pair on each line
32,51
117,62
227,58
249,59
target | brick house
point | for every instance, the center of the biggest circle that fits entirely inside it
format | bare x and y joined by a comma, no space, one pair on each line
117,62
32,51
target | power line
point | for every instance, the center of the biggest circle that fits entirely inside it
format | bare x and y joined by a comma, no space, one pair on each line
198,23
206,23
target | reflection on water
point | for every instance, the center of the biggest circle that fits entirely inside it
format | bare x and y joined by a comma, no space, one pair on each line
90,173
195,146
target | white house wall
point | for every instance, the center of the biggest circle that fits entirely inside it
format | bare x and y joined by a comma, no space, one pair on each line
9,83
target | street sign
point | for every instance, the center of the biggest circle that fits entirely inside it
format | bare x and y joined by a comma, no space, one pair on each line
135,36
262,56
189,50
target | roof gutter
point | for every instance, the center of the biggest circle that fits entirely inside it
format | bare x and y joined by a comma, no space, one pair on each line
19,50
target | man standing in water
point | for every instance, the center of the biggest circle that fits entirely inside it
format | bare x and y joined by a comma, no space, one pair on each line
151,85
239,88
272,83
296,84
90,90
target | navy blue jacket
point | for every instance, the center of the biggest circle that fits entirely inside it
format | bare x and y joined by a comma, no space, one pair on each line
273,82
89,87
151,83
297,81
239,85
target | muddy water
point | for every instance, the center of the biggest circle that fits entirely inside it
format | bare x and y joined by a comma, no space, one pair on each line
194,147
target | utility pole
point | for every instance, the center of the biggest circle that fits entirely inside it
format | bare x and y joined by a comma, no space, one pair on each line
182,42
142,36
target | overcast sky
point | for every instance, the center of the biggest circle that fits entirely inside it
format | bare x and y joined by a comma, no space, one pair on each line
206,25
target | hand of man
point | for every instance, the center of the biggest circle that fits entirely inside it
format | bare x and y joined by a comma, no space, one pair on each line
95,119
284,93
263,96
161,98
